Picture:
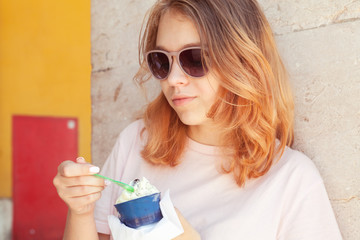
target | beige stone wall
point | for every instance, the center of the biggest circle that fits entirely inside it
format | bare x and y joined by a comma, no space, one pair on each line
320,45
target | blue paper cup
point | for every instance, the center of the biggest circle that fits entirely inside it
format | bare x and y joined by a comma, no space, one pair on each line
140,211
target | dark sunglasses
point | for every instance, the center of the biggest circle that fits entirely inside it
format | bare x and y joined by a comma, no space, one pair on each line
189,59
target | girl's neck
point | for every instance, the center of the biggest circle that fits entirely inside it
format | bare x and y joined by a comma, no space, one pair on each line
204,134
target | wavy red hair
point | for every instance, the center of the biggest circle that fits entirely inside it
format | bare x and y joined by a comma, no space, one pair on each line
255,104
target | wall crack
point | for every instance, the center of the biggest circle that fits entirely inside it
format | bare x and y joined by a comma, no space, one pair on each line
335,22
102,70
346,200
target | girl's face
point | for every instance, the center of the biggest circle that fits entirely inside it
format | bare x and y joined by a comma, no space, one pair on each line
191,98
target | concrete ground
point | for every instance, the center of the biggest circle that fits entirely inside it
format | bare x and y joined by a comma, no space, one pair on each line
5,218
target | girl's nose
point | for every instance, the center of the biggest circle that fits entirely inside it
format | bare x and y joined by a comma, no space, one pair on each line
176,76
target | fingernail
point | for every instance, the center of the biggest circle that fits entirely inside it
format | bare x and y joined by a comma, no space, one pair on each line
107,182
80,158
94,169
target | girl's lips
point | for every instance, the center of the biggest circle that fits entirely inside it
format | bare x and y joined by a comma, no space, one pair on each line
180,101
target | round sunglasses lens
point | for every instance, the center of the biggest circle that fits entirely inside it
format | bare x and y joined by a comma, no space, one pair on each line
159,64
190,61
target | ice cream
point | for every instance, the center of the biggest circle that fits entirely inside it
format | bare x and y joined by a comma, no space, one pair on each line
141,188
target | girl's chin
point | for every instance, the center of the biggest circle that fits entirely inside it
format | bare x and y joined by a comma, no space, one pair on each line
194,121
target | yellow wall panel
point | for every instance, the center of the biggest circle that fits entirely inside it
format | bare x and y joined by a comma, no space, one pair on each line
45,69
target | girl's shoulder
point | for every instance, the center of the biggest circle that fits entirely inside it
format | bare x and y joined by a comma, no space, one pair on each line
131,135
296,159
133,128
296,167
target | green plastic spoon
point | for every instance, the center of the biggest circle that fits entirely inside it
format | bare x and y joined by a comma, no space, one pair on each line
127,187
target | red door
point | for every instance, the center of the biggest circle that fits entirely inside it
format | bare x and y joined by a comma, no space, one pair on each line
39,145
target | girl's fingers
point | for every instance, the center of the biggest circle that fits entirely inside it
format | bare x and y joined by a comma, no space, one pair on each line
82,181
81,191
72,169
189,231
77,187
80,160
78,203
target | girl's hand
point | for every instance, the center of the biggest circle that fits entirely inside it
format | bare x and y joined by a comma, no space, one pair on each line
77,187
189,232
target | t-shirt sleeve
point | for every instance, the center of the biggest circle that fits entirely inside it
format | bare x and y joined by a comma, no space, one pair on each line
113,168
104,206
308,214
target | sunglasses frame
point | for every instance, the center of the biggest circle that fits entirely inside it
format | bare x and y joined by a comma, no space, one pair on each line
169,56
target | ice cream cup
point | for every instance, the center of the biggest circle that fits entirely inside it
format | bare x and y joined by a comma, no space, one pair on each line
140,211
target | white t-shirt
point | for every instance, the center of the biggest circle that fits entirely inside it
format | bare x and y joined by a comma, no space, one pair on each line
289,202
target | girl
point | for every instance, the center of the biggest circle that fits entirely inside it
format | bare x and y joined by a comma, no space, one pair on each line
218,135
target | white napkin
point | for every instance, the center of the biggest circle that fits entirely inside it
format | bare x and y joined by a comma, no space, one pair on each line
167,228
